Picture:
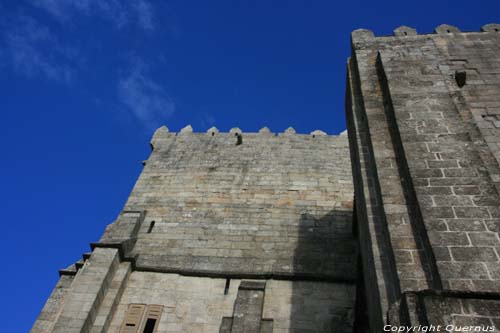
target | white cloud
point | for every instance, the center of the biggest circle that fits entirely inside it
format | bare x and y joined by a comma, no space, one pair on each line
120,13
33,50
147,100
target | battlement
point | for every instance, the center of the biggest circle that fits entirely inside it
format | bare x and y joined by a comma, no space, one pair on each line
408,32
236,136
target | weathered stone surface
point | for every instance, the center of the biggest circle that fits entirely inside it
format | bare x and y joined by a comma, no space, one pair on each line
272,205
196,304
426,168
404,31
491,27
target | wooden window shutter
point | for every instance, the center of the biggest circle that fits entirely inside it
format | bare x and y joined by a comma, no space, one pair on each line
133,318
152,319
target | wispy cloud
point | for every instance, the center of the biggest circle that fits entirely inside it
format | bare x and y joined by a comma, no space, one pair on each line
34,49
206,120
144,98
144,14
120,13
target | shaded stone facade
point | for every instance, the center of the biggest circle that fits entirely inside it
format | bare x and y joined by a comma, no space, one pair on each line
396,222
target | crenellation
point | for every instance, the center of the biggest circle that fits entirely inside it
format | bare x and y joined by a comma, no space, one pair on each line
212,131
492,27
186,130
404,31
444,29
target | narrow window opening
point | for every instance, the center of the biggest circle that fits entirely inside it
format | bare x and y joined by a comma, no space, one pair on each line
314,135
130,324
496,29
405,33
151,226
226,288
213,133
150,325
448,31
239,139
461,78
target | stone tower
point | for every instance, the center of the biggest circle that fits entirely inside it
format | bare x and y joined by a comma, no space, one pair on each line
223,232
392,226
423,115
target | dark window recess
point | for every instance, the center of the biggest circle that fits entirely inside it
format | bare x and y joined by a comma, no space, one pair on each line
151,226
150,325
461,78
226,288
405,33
213,133
239,139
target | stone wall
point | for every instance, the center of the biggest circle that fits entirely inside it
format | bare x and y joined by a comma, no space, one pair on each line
421,113
272,205
197,304
208,212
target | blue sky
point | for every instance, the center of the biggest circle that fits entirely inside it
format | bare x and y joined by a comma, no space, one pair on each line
85,82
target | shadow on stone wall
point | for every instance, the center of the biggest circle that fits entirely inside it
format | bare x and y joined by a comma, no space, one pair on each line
325,265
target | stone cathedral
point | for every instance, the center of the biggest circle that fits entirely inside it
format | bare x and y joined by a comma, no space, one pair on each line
393,225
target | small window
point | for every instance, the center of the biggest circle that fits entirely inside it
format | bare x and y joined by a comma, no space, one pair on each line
141,318
150,325
151,226
239,139
133,318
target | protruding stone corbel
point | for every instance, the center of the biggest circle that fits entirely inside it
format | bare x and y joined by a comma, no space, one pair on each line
362,35
212,131
403,31
235,131
317,133
186,130
492,27
159,135
265,131
445,29
362,38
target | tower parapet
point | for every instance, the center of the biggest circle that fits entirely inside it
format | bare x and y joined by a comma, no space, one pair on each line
422,114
